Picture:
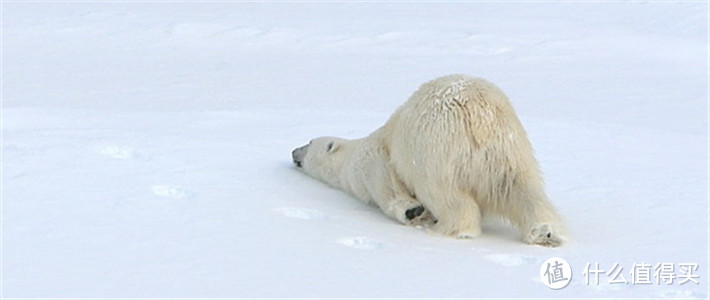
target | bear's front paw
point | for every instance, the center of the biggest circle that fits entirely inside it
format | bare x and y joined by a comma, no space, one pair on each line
418,216
414,212
544,235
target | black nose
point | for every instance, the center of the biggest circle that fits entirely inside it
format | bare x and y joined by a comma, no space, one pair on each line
296,161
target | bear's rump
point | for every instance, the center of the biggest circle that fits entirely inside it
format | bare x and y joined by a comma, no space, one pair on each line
469,140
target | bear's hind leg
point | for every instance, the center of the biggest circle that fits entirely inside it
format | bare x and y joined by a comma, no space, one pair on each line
458,214
543,234
530,211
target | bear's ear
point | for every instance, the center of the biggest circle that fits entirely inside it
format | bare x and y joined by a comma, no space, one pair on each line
332,147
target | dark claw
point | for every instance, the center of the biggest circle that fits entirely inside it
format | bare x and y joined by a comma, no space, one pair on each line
549,235
414,212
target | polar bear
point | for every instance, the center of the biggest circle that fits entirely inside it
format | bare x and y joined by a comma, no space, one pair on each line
454,152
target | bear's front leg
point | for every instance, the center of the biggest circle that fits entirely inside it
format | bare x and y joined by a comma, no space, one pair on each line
392,196
407,211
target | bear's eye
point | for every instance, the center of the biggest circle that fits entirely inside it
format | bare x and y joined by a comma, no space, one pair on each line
330,146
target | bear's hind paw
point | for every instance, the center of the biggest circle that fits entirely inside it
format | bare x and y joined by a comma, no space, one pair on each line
544,235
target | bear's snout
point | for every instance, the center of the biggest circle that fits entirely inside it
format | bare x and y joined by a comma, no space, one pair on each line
298,154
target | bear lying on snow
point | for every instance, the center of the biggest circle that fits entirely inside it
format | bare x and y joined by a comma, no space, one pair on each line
453,152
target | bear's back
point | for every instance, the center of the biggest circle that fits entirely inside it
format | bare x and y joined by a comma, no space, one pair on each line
459,105
461,128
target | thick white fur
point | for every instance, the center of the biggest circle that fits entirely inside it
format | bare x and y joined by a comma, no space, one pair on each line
361,167
457,148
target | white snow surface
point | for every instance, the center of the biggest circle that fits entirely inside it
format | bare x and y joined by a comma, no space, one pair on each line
146,146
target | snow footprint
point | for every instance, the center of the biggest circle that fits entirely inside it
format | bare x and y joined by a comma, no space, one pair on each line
510,259
681,294
301,213
174,192
121,152
361,243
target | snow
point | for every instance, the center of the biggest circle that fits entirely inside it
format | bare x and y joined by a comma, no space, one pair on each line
146,146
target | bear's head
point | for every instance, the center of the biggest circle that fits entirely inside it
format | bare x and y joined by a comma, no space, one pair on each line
322,158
